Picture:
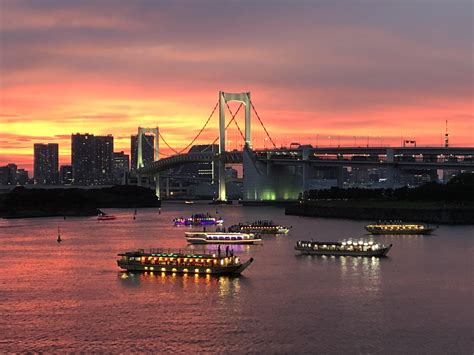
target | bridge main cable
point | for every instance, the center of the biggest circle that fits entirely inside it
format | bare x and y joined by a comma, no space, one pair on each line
264,128
196,137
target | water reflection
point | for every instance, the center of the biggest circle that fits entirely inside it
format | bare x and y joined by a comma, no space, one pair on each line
226,286
357,271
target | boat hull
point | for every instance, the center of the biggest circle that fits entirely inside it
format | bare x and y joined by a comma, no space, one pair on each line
378,231
377,253
185,269
217,241
106,218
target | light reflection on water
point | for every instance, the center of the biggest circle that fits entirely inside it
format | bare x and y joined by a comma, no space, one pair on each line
72,297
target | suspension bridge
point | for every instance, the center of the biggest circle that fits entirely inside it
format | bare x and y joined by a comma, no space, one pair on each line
284,173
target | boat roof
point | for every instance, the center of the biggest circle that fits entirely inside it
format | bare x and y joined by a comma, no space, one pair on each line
170,253
317,242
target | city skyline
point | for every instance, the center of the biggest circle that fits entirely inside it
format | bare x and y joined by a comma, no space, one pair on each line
381,70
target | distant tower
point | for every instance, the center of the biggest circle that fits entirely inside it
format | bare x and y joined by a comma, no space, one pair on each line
446,136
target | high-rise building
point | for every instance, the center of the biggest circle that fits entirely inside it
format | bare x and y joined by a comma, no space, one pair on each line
147,150
120,167
104,151
83,158
91,158
65,174
46,163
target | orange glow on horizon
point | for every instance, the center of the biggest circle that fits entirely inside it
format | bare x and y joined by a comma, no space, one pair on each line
348,81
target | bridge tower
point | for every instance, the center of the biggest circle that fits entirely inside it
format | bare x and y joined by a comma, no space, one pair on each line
141,132
224,98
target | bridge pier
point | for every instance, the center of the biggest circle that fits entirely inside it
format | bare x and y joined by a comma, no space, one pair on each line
224,98
340,176
157,186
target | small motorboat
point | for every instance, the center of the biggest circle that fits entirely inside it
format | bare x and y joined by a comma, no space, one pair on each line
105,217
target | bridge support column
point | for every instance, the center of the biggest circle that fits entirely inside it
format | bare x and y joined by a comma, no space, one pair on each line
340,176
224,98
434,176
392,171
168,187
306,169
157,186
140,163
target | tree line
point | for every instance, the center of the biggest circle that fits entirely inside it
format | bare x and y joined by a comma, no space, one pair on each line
459,188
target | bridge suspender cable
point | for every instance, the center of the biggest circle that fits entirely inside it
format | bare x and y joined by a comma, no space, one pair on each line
260,120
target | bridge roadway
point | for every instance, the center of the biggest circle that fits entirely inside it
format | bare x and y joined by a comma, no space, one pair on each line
399,157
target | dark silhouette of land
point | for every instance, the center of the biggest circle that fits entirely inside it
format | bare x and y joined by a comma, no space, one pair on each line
22,202
433,203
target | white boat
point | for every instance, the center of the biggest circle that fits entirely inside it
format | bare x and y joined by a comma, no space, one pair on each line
221,238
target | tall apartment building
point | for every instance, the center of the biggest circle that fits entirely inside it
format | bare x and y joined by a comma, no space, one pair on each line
104,152
83,158
91,158
46,161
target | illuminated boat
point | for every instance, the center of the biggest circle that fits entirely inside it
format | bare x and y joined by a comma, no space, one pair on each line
345,248
157,260
189,202
260,227
221,238
399,227
198,220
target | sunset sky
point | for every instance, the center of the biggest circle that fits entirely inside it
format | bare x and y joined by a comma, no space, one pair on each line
345,69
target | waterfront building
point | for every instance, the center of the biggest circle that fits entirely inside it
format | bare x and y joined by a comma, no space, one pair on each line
65,174
46,163
7,174
148,142
11,175
120,167
22,177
